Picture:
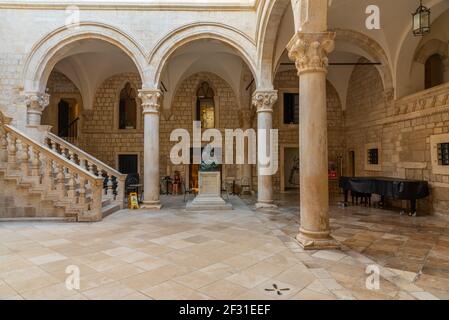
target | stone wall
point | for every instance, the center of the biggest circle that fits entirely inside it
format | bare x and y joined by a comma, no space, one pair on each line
287,81
101,135
181,115
402,129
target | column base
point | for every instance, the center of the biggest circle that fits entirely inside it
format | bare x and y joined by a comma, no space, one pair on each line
151,205
266,205
319,241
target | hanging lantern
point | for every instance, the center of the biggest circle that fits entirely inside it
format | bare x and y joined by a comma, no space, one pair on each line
421,20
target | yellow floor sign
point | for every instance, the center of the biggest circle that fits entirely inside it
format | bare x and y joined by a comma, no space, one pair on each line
133,201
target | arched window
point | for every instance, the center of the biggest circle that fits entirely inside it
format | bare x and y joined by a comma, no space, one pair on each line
205,106
434,71
127,108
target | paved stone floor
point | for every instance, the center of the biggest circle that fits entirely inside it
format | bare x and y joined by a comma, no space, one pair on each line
239,254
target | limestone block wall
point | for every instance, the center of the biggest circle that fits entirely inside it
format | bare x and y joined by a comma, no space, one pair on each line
288,81
402,129
182,114
101,135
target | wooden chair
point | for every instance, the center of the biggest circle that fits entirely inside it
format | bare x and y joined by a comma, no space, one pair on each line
245,186
225,188
187,190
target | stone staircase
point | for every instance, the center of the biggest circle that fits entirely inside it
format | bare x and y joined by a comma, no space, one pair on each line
47,178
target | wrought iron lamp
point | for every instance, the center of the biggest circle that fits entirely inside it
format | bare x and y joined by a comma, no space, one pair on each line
421,20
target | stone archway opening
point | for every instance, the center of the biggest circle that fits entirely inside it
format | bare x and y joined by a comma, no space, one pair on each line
206,76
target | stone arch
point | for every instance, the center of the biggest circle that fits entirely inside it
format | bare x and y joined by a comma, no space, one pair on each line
431,47
266,39
232,37
373,51
47,52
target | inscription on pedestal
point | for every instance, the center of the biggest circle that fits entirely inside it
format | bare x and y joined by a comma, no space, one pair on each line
209,183
209,196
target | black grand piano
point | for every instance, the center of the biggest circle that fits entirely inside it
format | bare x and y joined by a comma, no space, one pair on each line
398,189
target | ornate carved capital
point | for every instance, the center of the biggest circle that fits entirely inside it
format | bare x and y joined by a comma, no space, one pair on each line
36,101
150,100
310,51
264,100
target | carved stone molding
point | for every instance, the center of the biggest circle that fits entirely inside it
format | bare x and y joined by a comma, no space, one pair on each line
310,51
150,101
36,101
264,100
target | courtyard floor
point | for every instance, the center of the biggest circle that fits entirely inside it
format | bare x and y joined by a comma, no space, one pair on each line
239,254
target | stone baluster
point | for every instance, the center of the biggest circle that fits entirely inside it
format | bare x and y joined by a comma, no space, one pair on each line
3,148
83,163
35,162
71,156
71,192
91,168
53,146
120,190
60,179
25,158
82,190
48,174
110,186
12,152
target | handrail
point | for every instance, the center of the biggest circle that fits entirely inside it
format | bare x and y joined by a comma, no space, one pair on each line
53,155
100,165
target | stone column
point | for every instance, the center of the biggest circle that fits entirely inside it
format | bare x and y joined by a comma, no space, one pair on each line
247,116
310,51
36,102
264,100
150,106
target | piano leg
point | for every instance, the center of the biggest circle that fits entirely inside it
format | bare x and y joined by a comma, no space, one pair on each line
346,192
382,201
412,208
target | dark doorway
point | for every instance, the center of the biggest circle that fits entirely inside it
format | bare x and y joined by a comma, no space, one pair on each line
68,119
291,108
434,71
128,163
63,118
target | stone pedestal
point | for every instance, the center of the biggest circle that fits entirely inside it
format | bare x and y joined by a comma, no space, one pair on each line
209,196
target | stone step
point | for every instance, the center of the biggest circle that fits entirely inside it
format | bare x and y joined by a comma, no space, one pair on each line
105,202
110,209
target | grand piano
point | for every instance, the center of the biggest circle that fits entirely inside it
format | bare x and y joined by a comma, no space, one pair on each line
394,188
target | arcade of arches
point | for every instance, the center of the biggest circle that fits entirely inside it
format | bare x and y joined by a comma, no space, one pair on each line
106,94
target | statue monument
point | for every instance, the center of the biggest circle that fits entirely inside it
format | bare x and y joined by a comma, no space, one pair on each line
209,182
